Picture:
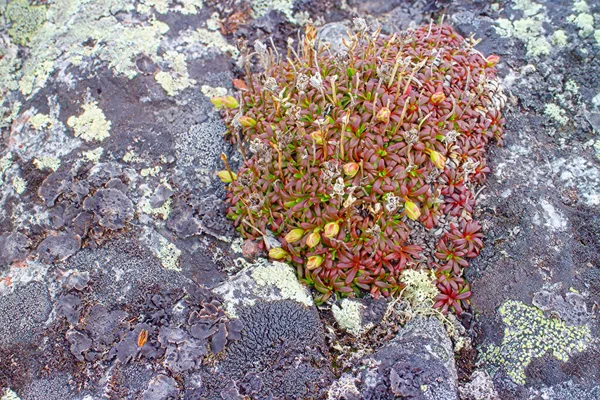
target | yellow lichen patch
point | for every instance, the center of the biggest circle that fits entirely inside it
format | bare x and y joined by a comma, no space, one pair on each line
47,162
556,113
212,39
162,212
528,335
41,121
150,171
92,125
93,155
5,163
210,91
19,184
169,254
177,77
282,276
24,20
559,38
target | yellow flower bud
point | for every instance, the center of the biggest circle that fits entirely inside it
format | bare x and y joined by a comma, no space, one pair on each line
351,169
225,176
412,211
313,239
437,159
217,102
383,115
230,102
492,60
331,229
277,253
248,122
317,137
438,97
314,262
294,235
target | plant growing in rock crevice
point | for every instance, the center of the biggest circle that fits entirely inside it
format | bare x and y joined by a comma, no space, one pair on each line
344,153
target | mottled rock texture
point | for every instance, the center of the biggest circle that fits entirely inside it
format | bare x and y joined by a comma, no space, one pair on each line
112,228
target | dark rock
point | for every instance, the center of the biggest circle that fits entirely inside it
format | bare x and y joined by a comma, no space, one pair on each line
59,247
112,206
13,247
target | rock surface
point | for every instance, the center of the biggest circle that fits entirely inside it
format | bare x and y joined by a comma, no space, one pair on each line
118,274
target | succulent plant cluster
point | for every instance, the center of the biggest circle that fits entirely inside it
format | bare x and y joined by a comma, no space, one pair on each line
345,153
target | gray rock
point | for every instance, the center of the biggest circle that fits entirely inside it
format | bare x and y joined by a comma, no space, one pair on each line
417,364
333,34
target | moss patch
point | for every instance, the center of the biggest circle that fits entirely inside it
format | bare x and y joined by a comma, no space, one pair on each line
528,335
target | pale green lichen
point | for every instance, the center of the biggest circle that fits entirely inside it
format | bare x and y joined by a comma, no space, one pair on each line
19,184
70,28
169,254
581,6
556,113
10,395
420,288
5,164
150,171
24,20
211,39
529,30
130,156
559,38
91,125
93,155
262,7
572,86
585,23
47,162
162,212
210,91
176,78
528,335
165,6
41,121
597,35
349,316
528,7
283,278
